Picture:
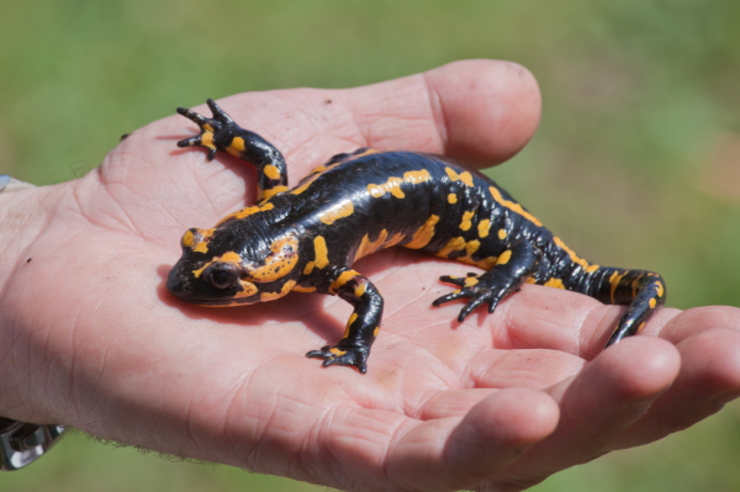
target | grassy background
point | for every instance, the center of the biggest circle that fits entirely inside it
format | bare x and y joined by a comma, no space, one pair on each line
636,163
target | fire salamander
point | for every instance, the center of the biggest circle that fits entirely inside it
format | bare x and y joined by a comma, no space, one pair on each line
305,239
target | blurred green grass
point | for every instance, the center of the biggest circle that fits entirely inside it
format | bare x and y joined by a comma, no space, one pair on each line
636,163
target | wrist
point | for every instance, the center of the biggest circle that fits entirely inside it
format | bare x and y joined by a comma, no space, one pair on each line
24,212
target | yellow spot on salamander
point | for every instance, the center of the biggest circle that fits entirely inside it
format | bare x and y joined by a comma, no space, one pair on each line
424,234
659,285
341,280
271,296
322,252
271,171
228,257
279,263
653,303
466,223
376,331
206,140
306,183
352,157
197,242
555,282
322,255
325,167
471,247
504,258
246,212
454,244
393,185
344,209
416,177
502,234
271,192
464,177
337,352
485,263
574,257
188,239
470,281
202,247
360,290
639,328
351,320
635,286
236,147
367,247
614,282
452,199
305,290
513,206
484,226
248,289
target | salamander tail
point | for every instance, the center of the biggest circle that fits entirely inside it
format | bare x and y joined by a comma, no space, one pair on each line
641,290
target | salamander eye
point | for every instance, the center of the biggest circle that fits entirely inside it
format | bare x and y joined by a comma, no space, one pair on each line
222,278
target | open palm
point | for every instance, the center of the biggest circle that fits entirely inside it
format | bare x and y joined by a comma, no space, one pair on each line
91,338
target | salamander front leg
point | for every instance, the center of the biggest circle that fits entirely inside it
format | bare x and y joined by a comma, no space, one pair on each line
222,133
513,267
363,325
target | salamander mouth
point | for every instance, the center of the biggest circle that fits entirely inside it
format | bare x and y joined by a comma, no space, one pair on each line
221,302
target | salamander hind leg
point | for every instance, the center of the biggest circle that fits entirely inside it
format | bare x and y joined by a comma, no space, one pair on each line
513,267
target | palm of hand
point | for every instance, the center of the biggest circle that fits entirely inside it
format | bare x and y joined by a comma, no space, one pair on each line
506,399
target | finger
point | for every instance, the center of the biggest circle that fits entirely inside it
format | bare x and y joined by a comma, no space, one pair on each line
454,453
543,317
532,368
453,403
608,396
695,321
476,110
709,378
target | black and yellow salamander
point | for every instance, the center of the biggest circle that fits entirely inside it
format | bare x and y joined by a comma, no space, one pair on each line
305,239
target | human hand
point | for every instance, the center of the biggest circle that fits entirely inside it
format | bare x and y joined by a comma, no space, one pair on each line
498,402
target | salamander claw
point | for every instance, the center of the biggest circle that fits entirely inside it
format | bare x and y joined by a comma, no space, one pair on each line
196,118
343,356
189,142
210,129
479,288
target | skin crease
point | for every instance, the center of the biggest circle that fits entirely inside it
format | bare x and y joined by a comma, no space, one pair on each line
89,336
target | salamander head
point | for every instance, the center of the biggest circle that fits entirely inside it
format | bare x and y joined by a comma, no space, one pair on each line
213,272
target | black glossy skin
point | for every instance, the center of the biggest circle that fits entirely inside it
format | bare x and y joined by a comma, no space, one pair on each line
306,239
